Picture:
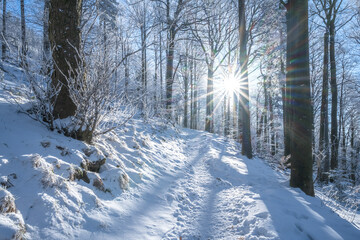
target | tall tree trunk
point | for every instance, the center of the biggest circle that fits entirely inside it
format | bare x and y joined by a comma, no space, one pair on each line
23,35
324,116
353,155
245,108
186,87
156,73
286,94
334,101
271,121
209,121
124,51
196,100
161,69
64,35
285,103
191,94
342,122
265,114
143,63
299,78
258,123
46,42
169,70
4,42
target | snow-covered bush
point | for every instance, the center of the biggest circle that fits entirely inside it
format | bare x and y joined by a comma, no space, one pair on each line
7,202
100,106
124,181
49,178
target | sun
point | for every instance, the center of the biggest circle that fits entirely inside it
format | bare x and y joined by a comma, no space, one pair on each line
231,84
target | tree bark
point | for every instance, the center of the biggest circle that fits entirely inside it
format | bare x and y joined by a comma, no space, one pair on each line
209,121
334,100
196,100
271,121
143,31
46,42
191,94
299,78
324,116
64,35
4,43
186,87
161,69
244,98
285,103
23,35
169,78
353,155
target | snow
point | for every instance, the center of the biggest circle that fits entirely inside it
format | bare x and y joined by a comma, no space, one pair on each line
159,182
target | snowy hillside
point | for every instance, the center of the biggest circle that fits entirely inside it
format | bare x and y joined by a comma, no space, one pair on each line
158,182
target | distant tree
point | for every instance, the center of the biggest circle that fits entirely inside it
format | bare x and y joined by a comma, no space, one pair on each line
298,81
212,42
172,16
64,35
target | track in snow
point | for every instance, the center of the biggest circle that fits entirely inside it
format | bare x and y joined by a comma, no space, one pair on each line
214,193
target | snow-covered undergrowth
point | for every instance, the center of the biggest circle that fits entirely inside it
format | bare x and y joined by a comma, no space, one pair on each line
157,182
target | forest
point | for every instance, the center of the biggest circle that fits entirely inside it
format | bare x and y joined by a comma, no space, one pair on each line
273,81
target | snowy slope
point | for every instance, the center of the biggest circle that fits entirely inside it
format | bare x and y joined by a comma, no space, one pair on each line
158,182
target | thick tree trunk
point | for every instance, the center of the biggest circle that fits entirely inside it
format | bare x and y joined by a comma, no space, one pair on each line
334,101
245,108
4,43
64,35
299,78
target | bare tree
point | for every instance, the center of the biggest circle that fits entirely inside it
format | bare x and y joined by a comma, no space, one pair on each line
212,35
172,15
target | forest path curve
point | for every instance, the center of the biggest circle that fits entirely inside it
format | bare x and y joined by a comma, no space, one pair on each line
212,192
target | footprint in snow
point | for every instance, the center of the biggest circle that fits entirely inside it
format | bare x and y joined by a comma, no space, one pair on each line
262,215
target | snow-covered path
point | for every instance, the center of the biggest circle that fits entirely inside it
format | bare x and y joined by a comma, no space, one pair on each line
214,193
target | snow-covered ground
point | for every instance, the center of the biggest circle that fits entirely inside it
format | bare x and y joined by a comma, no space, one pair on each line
158,182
